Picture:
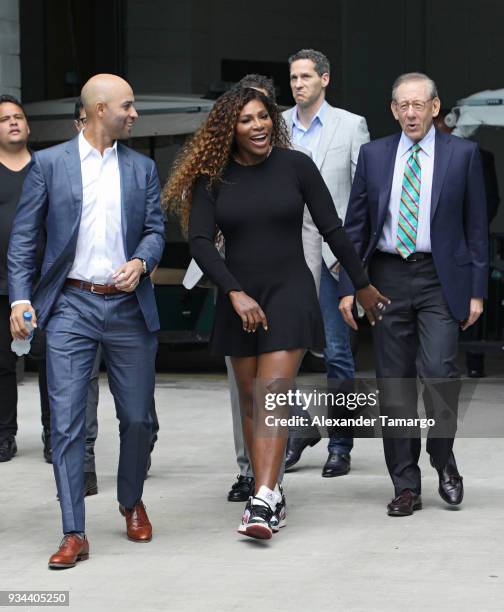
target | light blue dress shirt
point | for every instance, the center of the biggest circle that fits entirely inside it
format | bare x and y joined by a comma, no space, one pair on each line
309,137
388,238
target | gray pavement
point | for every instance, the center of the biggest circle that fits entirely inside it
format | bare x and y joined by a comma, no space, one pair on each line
339,550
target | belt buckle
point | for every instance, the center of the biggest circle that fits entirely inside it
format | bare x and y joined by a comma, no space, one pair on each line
92,288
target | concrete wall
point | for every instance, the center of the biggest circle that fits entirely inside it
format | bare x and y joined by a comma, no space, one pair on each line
10,73
177,46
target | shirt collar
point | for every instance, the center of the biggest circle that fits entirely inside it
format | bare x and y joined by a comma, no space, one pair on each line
318,117
86,148
426,144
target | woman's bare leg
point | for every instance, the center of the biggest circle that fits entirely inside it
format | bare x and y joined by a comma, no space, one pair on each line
275,372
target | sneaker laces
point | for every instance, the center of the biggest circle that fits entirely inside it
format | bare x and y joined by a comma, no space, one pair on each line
261,511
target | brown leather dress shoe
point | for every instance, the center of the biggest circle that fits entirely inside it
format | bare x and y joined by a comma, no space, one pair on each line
138,526
404,504
73,548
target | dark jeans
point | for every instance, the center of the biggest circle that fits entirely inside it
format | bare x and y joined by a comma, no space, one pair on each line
337,354
8,382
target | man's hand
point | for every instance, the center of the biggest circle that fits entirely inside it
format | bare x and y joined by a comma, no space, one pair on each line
17,324
475,310
373,302
128,275
248,310
346,307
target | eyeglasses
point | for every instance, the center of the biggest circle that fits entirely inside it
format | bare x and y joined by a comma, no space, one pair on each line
82,120
416,105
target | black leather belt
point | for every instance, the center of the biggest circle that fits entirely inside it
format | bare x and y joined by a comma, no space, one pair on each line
411,258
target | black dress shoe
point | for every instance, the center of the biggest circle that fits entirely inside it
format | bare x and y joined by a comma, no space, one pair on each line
8,449
476,374
475,363
90,484
451,486
337,464
242,489
404,504
295,447
46,440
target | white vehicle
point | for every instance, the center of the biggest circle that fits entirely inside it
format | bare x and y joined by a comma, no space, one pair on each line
483,108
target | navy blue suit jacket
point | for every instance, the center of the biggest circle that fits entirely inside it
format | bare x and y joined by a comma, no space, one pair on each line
459,229
52,197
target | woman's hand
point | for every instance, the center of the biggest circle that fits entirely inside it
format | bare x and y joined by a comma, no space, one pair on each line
248,310
371,300
373,303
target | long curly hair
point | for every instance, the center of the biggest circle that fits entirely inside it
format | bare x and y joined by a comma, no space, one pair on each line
208,151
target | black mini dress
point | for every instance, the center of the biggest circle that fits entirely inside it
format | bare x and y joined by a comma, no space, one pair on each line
259,210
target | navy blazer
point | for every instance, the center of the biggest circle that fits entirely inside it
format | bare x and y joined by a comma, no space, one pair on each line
459,229
52,196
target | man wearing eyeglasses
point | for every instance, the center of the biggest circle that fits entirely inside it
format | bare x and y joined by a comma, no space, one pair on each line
417,216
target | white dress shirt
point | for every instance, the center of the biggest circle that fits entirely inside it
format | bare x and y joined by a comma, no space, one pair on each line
388,239
100,247
309,137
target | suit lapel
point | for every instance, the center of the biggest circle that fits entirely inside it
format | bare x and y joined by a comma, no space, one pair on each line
388,175
442,154
125,172
288,119
331,122
73,166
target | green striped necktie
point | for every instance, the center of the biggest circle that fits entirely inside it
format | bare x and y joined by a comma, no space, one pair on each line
407,224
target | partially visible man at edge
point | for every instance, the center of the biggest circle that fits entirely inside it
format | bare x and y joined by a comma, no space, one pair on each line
15,157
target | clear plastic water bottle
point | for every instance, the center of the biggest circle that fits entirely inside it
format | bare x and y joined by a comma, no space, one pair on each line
22,347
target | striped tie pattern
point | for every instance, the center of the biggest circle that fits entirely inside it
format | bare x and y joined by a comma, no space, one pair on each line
410,200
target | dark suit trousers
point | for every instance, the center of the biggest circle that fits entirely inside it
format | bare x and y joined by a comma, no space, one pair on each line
8,382
417,336
79,322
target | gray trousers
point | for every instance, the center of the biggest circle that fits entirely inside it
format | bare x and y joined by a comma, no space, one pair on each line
240,449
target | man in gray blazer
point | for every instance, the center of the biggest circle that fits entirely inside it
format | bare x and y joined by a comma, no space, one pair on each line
333,136
243,487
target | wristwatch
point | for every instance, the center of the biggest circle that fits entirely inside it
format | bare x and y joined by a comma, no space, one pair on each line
145,272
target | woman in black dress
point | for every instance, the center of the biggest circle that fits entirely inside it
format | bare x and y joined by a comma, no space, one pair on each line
239,175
